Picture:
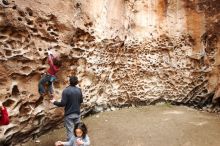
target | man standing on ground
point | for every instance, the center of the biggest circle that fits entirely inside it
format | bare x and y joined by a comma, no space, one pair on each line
71,100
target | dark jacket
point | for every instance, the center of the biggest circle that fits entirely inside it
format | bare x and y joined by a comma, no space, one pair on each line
71,100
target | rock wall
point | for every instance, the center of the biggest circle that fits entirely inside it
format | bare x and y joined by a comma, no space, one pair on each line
125,53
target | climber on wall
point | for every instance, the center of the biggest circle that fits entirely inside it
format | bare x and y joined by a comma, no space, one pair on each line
4,120
50,75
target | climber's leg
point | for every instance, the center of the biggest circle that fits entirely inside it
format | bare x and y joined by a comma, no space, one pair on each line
50,88
42,82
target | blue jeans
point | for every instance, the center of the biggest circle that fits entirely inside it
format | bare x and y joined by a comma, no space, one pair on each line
46,79
69,122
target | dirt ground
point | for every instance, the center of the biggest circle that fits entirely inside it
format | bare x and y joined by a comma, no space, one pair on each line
161,125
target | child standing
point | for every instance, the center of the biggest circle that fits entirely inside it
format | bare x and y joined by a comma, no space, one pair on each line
80,137
4,120
50,76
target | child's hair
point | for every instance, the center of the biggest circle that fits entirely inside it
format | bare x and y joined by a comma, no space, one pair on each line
81,126
57,62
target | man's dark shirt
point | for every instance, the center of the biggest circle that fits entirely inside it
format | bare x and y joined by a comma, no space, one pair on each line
71,100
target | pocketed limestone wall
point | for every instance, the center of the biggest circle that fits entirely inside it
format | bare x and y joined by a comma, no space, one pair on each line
125,53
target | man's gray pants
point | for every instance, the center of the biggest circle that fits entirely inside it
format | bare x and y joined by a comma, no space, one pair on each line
69,122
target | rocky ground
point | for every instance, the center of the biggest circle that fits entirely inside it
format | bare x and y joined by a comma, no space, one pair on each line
161,125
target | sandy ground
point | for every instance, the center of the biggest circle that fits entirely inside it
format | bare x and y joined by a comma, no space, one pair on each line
161,125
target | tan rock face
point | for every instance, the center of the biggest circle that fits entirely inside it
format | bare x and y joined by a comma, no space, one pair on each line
125,52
